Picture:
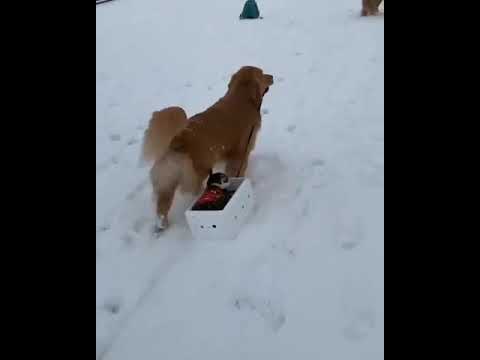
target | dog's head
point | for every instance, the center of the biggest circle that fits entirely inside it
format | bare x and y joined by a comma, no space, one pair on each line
251,81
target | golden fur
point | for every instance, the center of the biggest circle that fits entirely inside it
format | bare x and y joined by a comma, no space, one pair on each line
370,7
184,151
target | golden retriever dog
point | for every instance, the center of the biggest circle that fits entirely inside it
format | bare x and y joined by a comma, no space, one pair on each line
184,151
370,7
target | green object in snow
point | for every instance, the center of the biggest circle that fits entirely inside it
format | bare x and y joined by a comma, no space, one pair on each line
250,10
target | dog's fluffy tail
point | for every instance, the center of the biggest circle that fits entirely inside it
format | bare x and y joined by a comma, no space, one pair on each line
163,127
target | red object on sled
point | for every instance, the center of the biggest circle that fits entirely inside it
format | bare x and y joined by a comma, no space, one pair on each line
209,198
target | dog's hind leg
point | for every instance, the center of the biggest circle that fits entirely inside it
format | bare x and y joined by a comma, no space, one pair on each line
165,178
165,197
192,176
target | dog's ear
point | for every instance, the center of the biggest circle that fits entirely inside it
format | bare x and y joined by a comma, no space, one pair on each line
255,93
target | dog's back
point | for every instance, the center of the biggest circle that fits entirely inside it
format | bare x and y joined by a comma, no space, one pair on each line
212,135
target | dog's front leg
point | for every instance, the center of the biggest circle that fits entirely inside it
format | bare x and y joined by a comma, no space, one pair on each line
243,167
236,166
233,167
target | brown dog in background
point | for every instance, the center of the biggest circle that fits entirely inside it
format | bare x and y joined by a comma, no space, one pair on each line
370,7
185,151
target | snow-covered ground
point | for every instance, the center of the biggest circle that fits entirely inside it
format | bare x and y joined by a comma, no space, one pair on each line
305,278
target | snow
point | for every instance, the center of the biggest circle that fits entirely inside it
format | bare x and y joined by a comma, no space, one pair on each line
305,278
